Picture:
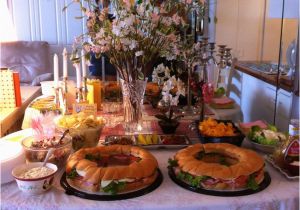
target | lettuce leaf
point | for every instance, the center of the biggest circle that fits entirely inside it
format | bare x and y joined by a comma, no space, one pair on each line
172,163
73,174
251,183
114,187
194,181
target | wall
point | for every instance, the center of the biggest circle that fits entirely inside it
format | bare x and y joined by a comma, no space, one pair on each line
44,20
246,27
239,26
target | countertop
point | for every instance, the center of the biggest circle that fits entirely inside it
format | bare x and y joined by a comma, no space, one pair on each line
284,82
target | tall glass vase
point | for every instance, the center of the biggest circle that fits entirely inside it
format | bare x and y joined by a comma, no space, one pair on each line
133,95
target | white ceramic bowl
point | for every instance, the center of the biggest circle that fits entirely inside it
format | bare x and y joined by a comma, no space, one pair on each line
35,185
267,149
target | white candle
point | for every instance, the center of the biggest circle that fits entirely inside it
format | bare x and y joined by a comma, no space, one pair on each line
56,74
65,63
78,75
83,63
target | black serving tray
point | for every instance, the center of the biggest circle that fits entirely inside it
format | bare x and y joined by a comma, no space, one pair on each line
265,183
107,197
236,140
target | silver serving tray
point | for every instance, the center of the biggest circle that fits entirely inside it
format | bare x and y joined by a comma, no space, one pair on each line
112,139
282,171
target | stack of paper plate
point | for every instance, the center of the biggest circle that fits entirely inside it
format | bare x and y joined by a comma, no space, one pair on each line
11,155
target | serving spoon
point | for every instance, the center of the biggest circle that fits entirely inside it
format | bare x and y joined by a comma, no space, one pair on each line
50,151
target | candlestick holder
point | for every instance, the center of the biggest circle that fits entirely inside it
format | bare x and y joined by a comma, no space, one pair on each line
84,89
57,91
64,94
79,96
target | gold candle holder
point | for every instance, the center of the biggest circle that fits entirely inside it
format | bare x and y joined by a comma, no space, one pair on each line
64,94
57,102
79,97
84,89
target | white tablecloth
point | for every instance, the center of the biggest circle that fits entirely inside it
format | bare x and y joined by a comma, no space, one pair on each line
281,194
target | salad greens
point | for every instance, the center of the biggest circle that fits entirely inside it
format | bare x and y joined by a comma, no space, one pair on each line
269,136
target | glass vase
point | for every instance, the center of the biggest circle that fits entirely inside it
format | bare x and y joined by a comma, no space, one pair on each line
133,94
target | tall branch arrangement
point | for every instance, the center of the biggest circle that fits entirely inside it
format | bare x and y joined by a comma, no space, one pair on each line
138,33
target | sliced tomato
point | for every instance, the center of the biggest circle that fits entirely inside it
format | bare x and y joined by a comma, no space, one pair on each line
134,159
210,182
241,181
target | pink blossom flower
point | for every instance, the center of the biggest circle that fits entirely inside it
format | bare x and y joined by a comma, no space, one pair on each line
172,37
155,17
176,19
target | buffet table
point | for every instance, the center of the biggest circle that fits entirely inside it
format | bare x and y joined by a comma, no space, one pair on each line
281,194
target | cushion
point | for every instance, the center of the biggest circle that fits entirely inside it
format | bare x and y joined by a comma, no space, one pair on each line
29,58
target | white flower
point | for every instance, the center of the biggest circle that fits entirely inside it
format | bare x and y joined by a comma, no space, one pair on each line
139,53
174,100
180,88
166,96
133,44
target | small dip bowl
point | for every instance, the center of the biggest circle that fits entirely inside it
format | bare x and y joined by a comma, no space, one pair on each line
34,186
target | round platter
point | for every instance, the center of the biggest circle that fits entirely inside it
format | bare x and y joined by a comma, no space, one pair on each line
70,190
222,193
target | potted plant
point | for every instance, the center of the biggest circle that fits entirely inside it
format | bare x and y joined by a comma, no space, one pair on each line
168,121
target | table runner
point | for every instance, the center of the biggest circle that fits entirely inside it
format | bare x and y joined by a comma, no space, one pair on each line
151,127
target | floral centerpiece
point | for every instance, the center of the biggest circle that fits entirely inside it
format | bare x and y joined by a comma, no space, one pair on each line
138,34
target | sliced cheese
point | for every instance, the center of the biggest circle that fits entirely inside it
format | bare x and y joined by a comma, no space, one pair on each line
126,180
81,173
105,183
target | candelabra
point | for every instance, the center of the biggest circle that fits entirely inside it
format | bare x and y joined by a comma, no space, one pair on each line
205,58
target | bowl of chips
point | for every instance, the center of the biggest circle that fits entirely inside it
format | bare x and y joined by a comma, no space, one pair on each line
219,131
85,130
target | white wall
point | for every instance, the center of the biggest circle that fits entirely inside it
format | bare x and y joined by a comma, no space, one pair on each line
44,20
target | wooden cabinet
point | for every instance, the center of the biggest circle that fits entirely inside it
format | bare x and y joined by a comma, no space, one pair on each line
283,109
257,99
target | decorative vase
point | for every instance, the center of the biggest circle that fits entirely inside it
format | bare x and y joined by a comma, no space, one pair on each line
168,128
133,94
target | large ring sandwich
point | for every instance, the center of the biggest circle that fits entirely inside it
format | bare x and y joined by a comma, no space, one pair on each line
218,166
111,169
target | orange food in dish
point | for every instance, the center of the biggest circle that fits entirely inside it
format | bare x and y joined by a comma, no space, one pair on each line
211,127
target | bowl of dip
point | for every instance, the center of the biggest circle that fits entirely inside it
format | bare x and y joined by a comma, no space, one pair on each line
36,149
34,178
